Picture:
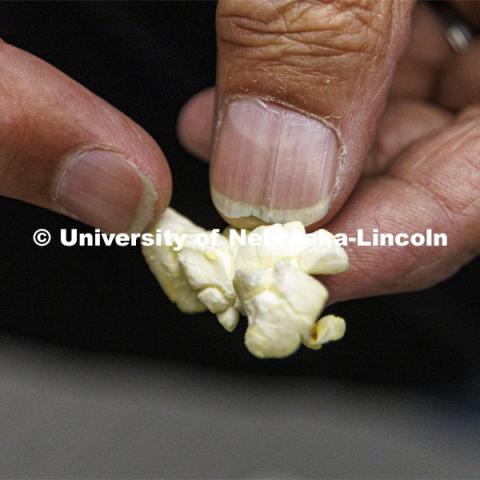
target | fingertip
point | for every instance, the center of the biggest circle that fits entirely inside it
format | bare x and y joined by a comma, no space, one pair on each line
194,125
72,152
156,177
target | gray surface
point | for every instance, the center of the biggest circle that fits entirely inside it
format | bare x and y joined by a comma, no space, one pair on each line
64,415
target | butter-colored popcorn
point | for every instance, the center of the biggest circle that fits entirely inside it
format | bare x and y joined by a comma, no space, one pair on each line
209,270
165,266
282,303
328,329
267,279
199,276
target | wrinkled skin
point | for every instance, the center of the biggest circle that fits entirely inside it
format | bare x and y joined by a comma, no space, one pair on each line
404,107
418,159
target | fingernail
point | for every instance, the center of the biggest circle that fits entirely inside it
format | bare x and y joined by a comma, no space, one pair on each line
103,189
272,163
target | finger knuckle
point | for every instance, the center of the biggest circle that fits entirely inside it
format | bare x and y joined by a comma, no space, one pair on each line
302,32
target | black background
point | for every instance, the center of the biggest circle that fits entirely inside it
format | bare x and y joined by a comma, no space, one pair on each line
147,59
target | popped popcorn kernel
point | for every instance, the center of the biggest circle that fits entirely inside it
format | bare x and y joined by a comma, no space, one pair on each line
267,281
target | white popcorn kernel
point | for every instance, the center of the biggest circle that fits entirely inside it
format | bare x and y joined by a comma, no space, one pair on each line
287,305
229,318
303,293
272,330
213,299
248,283
328,329
278,242
210,265
324,257
163,262
267,279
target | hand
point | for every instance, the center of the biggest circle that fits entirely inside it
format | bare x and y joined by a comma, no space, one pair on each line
299,99
65,149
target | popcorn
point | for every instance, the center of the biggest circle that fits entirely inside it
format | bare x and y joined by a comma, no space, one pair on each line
165,265
267,278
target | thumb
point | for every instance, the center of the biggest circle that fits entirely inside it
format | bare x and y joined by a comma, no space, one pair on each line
300,86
